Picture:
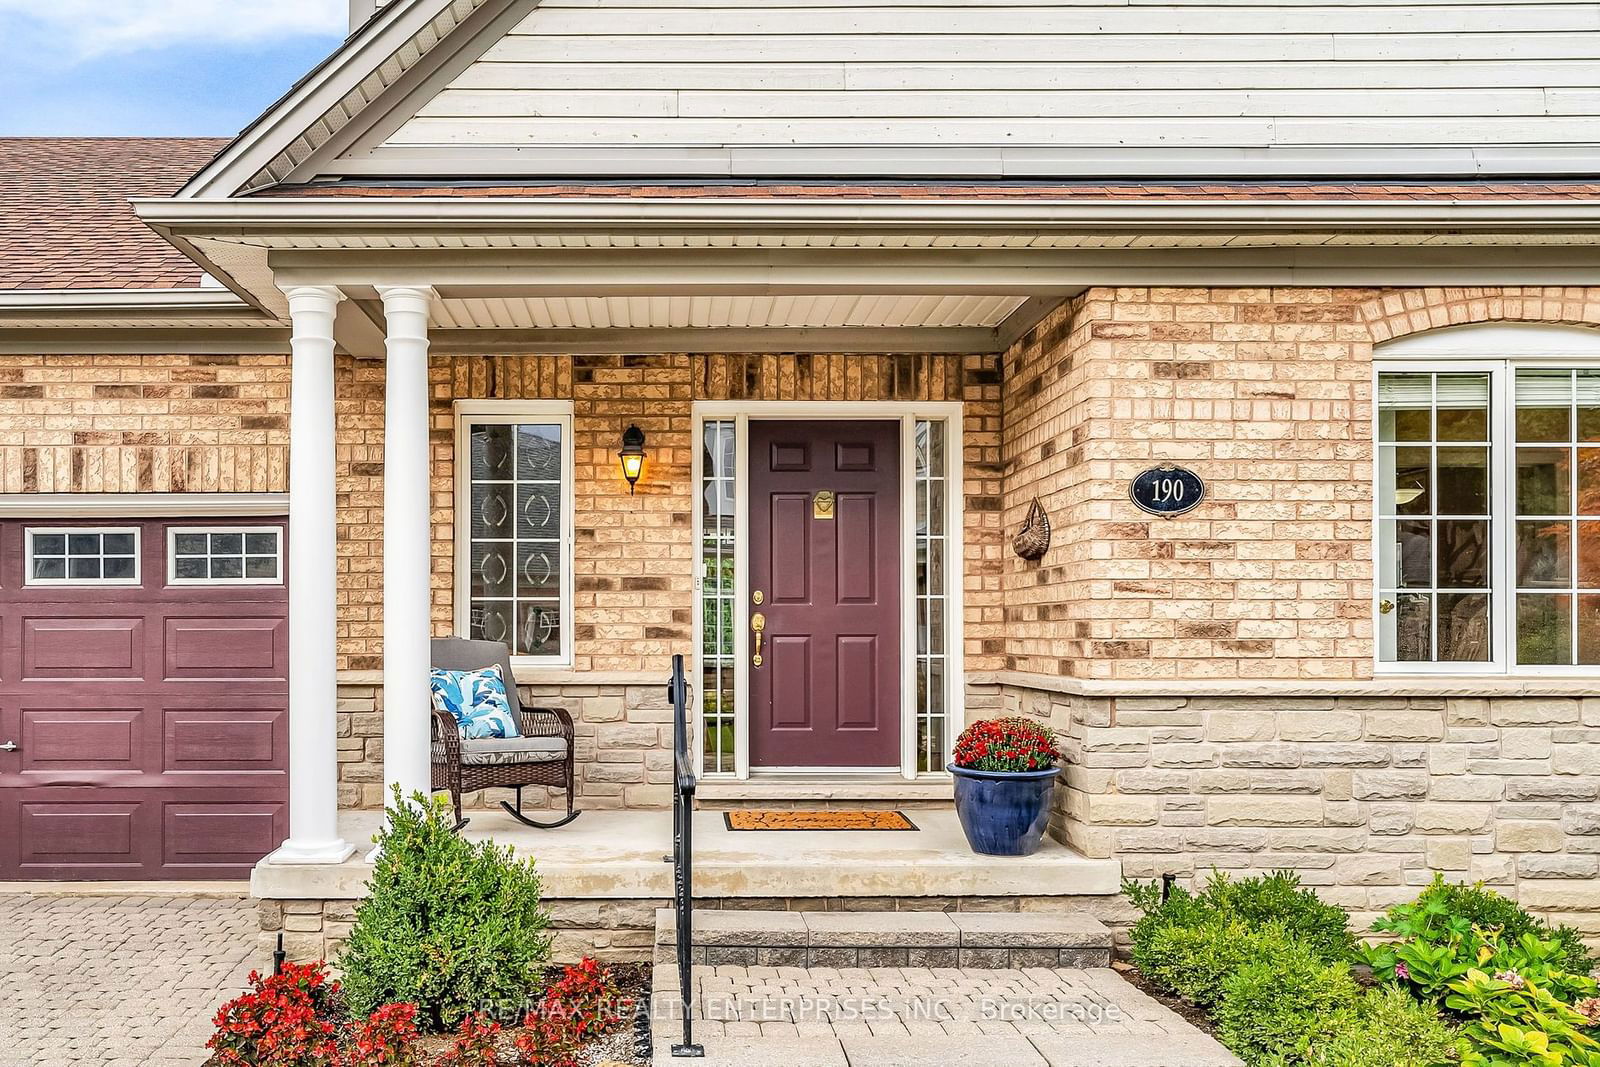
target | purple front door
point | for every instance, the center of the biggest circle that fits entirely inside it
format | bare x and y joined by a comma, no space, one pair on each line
825,560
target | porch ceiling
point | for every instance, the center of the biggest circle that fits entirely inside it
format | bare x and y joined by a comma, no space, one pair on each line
725,312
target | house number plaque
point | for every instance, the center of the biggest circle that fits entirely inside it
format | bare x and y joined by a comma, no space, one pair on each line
1167,491
822,505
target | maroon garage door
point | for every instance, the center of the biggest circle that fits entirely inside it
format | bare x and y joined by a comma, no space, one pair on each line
144,685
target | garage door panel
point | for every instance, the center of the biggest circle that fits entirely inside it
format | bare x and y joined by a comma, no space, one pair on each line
214,647
64,740
221,834
225,739
90,648
84,836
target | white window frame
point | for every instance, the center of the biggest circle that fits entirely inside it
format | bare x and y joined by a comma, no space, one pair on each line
138,556
741,413
172,554
470,413
1500,349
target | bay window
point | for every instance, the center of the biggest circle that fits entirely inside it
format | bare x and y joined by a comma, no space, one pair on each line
1488,517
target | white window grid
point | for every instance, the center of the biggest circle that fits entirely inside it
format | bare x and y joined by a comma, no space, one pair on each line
1391,590
718,548
85,551
250,555
471,415
1575,518
1503,445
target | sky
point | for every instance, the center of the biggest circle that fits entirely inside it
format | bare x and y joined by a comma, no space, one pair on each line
147,68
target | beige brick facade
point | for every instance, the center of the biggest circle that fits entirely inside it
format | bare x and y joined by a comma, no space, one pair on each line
144,424
1266,393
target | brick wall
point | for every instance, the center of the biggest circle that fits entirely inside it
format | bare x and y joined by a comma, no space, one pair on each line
144,424
634,555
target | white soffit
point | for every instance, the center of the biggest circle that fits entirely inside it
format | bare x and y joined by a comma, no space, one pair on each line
722,312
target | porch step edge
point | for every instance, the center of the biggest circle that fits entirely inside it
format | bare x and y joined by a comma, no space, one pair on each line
898,938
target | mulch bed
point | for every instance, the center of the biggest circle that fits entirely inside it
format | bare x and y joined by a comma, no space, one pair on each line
620,1048
1190,1013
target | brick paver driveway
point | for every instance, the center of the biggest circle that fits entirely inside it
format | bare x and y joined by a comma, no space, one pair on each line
117,980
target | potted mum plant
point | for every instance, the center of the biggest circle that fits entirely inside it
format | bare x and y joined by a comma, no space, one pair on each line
1005,772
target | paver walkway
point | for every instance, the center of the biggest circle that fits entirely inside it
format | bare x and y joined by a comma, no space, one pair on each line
892,1016
117,980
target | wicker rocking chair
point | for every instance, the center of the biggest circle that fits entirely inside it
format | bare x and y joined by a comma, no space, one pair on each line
543,755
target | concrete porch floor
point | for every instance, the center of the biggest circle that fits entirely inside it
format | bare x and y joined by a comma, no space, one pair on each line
623,854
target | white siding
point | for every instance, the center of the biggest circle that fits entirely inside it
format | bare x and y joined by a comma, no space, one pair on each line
1025,88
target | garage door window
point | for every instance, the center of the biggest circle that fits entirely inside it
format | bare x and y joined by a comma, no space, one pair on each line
225,555
83,556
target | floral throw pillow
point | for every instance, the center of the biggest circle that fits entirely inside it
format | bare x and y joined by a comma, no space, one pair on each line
477,700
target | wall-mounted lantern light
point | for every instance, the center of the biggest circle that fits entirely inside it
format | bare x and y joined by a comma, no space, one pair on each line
632,456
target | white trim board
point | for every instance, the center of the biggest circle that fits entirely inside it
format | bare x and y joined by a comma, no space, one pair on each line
141,505
1494,341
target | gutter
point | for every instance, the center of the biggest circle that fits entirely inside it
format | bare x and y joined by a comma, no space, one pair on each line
966,216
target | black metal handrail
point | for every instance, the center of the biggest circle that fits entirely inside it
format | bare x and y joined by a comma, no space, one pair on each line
683,785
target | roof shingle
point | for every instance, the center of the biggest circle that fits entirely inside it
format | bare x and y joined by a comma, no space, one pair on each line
65,220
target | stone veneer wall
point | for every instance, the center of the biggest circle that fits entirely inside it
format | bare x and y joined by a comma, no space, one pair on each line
623,737
1364,796
624,930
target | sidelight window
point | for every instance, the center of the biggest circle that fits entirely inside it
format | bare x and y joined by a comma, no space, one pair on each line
1488,517
718,547
932,600
514,522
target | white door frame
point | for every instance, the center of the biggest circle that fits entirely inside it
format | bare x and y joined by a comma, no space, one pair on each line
907,414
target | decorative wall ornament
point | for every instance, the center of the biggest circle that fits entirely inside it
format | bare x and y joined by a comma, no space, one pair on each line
1033,540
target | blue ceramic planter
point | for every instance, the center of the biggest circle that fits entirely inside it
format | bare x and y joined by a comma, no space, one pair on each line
1003,813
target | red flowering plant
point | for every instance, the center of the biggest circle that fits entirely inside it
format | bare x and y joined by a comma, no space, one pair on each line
580,1006
388,1036
284,1021
477,1044
1013,744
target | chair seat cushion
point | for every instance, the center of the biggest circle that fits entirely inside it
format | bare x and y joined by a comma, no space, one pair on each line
488,751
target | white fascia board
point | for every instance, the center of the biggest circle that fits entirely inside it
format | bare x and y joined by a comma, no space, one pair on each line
141,505
722,215
311,98
162,301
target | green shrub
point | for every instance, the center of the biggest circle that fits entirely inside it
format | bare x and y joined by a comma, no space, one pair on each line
1275,899
1448,911
451,926
1193,961
1386,1029
1290,1000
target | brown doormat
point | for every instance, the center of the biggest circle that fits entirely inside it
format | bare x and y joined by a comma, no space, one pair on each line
770,819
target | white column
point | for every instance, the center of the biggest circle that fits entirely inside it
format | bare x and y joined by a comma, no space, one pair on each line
407,542
313,684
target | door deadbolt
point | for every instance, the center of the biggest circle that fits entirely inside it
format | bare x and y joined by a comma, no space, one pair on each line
758,597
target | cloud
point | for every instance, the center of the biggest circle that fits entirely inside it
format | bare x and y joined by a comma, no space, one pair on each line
89,28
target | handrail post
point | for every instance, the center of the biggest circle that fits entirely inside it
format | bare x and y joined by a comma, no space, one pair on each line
683,784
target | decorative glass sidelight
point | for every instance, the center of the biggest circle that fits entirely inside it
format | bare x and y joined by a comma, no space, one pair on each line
718,548
515,536
931,541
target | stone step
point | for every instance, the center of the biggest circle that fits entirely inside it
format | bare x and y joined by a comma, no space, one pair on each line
893,938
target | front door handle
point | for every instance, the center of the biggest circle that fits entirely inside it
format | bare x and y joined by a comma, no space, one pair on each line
9,746
758,624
